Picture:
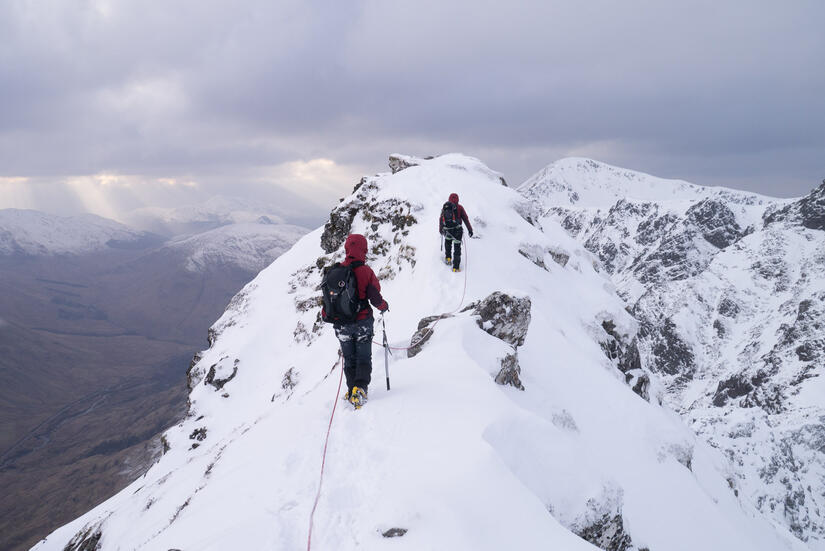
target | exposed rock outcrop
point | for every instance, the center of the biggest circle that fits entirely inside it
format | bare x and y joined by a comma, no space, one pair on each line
505,317
510,371
394,532
374,212
501,315
670,354
602,522
400,162
539,255
809,211
87,539
716,222
607,533
624,352
213,379
425,330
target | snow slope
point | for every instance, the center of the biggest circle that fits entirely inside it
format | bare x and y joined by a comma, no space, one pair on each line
449,455
729,291
31,232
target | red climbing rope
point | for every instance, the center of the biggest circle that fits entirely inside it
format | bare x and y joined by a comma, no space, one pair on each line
324,455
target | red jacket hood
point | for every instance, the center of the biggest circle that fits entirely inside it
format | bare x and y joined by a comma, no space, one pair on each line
356,247
453,198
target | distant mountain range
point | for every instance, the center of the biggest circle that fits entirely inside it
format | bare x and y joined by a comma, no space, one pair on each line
99,322
216,212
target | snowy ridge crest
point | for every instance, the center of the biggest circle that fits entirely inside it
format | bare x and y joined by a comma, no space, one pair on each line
448,457
585,183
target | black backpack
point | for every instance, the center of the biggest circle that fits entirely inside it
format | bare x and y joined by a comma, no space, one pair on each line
449,215
340,293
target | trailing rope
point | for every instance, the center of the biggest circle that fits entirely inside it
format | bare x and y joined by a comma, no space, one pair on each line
456,309
324,455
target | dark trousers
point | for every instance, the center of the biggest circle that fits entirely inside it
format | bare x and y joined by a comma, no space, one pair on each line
356,347
452,243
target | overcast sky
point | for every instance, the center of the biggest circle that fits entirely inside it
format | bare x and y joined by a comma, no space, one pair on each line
112,105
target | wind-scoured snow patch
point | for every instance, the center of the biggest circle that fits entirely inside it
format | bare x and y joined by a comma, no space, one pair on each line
447,449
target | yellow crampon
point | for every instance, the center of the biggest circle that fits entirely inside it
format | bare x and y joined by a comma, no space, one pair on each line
358,397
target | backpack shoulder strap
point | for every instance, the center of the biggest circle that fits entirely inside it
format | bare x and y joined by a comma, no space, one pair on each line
362,302
328,268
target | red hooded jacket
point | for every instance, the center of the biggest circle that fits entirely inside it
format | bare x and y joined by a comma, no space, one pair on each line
368,285
461,213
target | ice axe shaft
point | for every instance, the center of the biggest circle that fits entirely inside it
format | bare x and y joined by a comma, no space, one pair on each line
386,352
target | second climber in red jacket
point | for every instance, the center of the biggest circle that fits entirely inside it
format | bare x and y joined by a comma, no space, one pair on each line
449,225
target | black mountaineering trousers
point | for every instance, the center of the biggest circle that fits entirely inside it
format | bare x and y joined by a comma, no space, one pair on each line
356,347
452,237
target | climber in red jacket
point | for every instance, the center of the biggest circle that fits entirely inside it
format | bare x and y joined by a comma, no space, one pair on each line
356,337
449,225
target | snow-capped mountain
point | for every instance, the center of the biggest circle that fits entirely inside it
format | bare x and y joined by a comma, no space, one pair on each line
35,233
245,239
729,291
510,424
250,246
212,213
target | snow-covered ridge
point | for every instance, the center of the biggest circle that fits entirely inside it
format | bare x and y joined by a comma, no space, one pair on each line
728,289
586,183
455,459
31,232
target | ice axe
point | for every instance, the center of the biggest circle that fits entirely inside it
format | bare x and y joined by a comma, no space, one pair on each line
386,351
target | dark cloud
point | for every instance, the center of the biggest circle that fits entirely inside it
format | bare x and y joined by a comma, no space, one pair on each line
720,93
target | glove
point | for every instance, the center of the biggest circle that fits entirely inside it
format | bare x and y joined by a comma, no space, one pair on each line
471,232
384,307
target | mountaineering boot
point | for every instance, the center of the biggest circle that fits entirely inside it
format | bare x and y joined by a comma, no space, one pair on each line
358,397
448,260
346,395
456,269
